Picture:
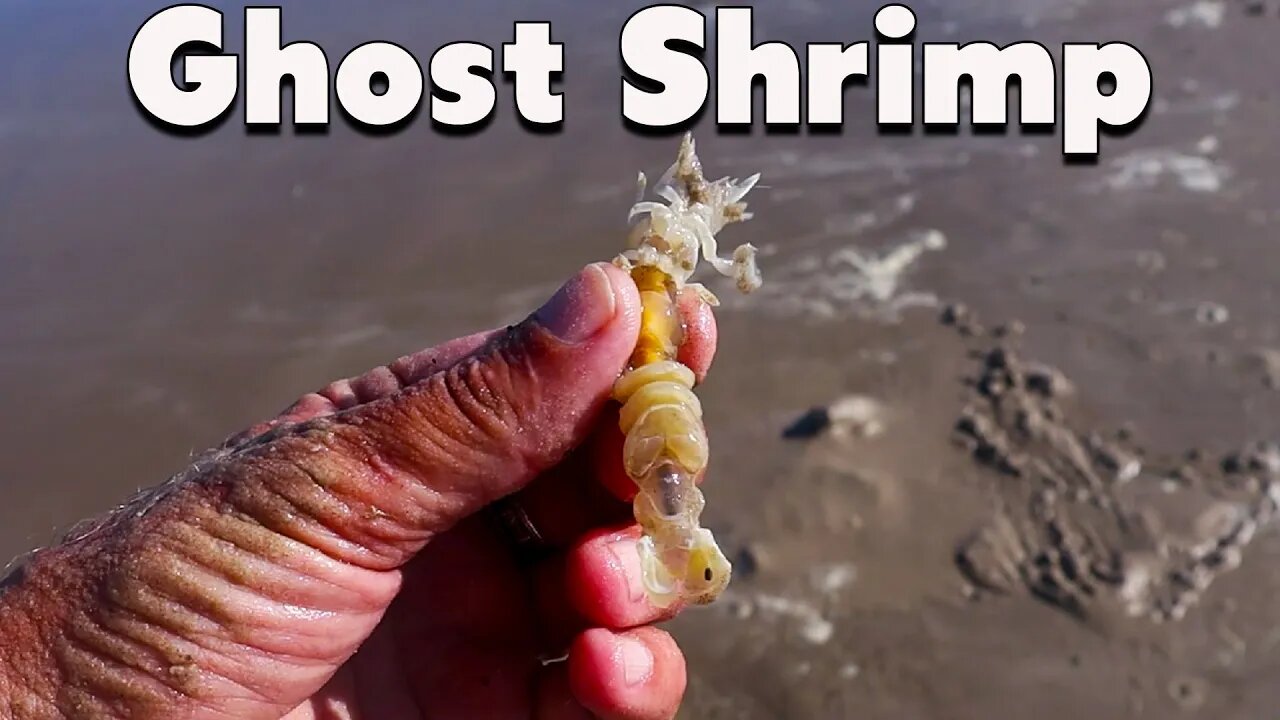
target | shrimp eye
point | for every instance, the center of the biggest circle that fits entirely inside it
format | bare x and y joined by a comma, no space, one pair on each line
706,574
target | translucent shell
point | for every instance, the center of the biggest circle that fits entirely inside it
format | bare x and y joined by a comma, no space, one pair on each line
667,495
670,431
633,380
703,571
662,587
669,533
707,570
663,392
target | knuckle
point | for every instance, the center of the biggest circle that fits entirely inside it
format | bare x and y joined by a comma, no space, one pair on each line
498,395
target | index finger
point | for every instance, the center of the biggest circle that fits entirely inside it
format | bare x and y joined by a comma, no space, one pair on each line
700,334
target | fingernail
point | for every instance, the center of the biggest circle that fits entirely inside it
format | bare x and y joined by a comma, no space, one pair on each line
627,554
637,661
581,308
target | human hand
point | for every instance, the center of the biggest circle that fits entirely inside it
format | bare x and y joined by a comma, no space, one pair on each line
336,562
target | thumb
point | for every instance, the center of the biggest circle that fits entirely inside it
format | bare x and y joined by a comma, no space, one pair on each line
417,459
487,425
238,588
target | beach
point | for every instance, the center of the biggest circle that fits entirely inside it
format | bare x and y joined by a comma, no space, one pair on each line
995,439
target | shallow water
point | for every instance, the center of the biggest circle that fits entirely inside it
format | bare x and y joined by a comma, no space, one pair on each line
158,293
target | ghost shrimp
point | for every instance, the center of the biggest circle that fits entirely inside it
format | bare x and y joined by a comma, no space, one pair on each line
666,444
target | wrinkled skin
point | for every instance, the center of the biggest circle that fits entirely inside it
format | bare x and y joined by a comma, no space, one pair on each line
358,521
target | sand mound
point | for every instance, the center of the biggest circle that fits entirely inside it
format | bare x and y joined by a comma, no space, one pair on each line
1083,523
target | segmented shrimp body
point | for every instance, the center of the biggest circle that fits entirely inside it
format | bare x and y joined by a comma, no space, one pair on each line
666,443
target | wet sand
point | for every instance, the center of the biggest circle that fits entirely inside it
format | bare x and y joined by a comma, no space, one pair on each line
1071,518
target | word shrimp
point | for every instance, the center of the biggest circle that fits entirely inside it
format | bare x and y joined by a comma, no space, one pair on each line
666,445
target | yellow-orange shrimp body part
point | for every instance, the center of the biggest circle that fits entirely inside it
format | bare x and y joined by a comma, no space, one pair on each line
665,450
